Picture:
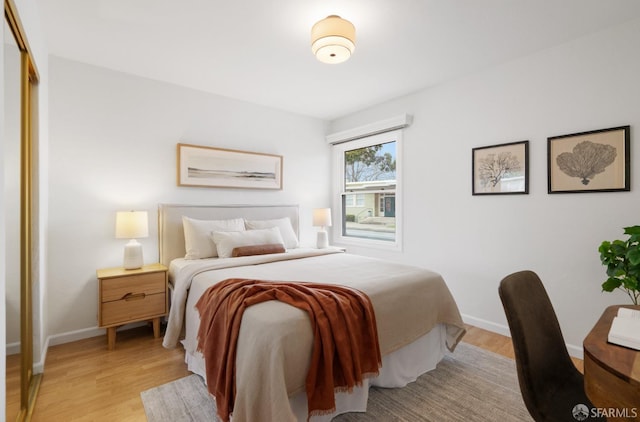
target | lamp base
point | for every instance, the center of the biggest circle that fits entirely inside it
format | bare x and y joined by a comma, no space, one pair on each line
323,240
132,255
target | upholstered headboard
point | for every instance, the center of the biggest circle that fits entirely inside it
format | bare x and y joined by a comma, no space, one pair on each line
171,232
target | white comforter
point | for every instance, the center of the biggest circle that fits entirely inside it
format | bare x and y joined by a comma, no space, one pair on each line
275,340
182,271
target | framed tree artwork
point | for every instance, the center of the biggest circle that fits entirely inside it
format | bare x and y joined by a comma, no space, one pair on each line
501,169
595,161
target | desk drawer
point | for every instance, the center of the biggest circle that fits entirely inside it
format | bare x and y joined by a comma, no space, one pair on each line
134,307
117,288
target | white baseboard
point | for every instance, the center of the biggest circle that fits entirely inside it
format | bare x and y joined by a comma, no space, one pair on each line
13,348
486,325
76,335
575,351
38,367
68,337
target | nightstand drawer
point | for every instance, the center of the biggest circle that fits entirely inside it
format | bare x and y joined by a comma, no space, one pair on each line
117,288
136,306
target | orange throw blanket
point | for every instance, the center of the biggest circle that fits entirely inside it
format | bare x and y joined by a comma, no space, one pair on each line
345,348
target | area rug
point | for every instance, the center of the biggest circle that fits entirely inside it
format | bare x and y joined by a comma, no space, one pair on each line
469,385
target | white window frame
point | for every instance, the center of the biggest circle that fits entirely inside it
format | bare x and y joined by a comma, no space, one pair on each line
338,190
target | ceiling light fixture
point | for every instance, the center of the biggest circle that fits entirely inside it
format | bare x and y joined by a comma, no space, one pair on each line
333,39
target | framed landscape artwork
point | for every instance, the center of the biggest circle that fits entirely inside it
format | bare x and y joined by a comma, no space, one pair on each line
227,168
595,161
501,169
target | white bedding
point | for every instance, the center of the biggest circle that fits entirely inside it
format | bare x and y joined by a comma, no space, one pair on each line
182,271
415,312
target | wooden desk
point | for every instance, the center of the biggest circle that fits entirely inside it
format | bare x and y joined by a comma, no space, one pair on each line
611,372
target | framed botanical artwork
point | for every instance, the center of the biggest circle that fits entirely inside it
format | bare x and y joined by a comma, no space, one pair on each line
595,161
227,168
501,169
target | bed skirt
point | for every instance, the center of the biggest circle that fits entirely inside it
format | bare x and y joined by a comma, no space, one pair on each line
399,368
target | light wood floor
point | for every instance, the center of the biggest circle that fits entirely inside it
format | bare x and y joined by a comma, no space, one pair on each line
83,381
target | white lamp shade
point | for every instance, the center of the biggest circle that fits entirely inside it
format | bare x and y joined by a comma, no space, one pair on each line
333,39
322,217
132,224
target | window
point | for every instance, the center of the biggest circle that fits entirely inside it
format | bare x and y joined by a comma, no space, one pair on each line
356,200
367,189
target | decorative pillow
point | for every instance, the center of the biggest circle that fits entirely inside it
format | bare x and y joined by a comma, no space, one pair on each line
227,241
284,224
197,240
258,249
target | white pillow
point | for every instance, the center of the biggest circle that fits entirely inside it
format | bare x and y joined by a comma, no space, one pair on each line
284,224
198,243
226,241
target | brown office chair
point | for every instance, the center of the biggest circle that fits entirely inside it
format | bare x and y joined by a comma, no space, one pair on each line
551,386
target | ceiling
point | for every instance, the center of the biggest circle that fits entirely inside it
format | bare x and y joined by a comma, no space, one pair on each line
259,50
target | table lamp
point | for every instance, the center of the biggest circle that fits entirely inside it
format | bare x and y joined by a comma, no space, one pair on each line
322,219
132,225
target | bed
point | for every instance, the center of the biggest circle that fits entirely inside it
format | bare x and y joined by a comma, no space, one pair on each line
417,318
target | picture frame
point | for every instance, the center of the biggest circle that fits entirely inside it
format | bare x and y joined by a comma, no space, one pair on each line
593,161
501,169
204,166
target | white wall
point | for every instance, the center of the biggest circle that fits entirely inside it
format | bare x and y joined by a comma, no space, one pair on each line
112,147
474,241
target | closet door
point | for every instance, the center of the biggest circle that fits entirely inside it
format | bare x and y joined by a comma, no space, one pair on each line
17,213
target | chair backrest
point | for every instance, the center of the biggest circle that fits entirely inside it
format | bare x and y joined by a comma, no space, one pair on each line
541,355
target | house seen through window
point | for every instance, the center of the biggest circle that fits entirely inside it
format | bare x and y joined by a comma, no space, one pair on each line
369,188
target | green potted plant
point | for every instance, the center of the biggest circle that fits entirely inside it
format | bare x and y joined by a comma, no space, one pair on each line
622,259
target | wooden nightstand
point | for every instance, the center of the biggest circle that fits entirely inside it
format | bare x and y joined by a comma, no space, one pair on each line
131,295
